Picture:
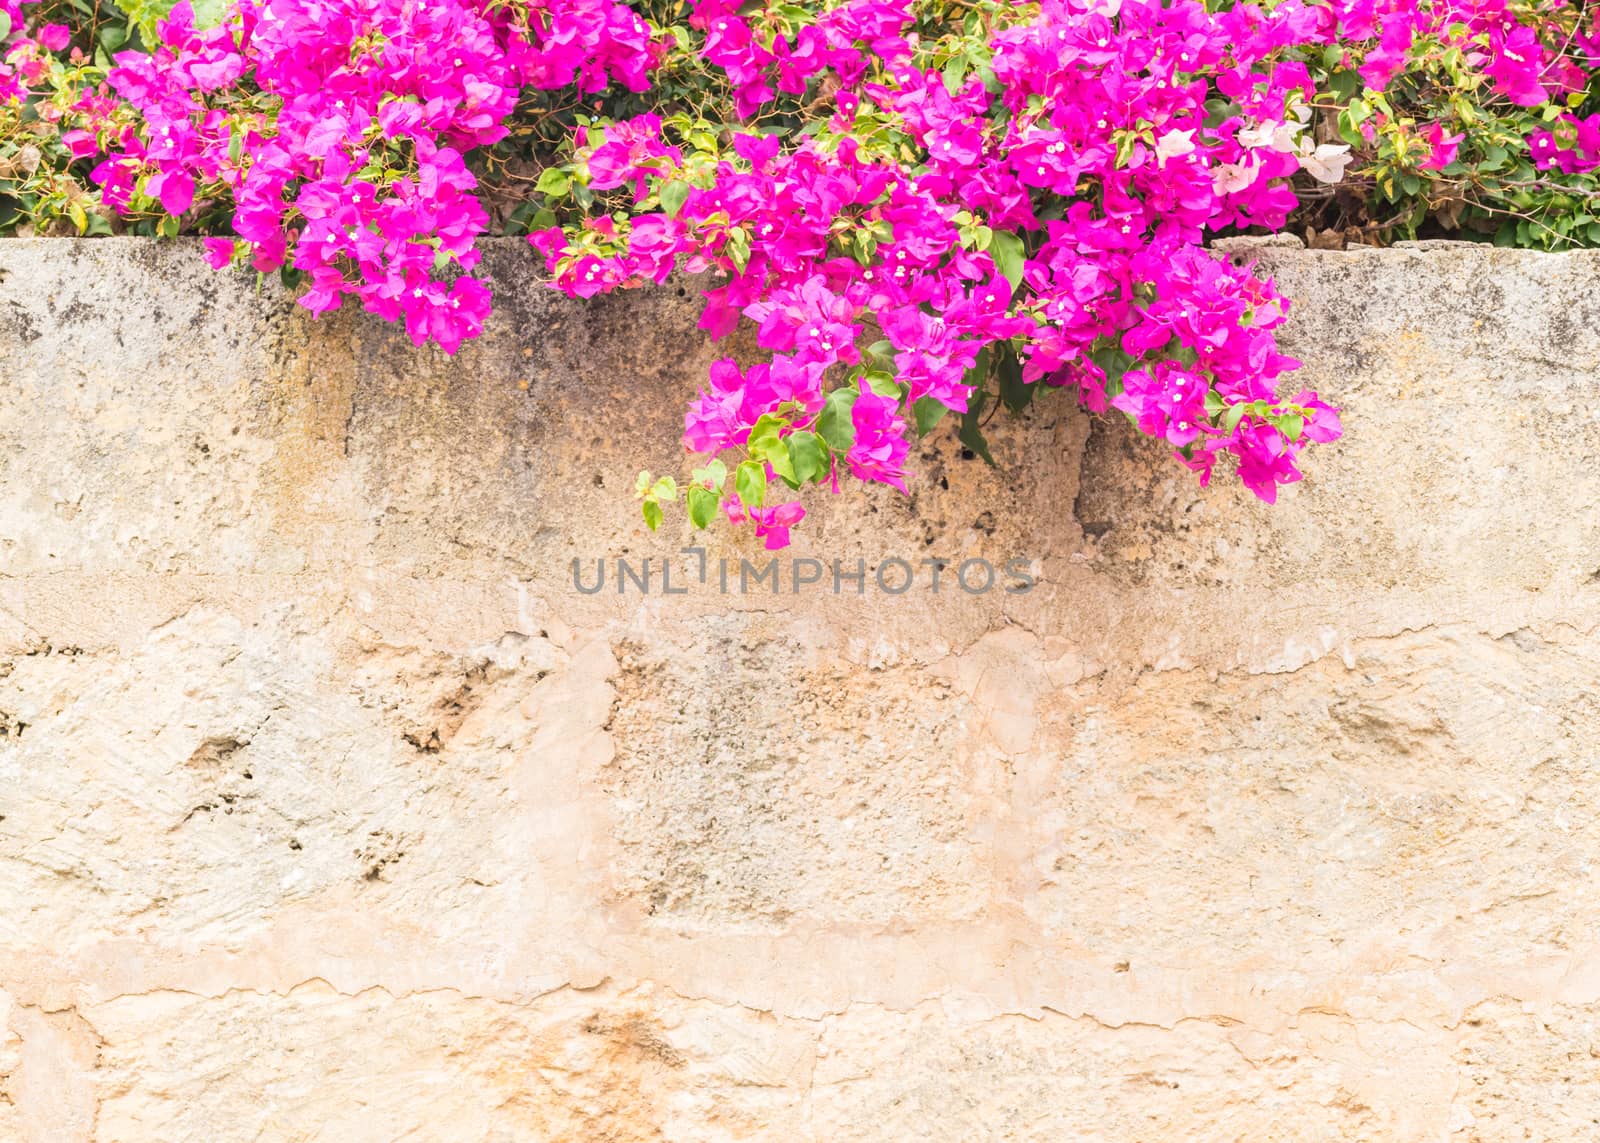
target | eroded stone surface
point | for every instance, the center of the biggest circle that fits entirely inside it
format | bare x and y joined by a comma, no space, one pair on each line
330,810
568,1066
752,785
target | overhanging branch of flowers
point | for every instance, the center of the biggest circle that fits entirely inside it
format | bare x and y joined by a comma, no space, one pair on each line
927,208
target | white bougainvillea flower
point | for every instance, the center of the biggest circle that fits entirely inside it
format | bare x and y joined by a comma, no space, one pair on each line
1284,136
1231,178
1327,163
1276,136
1174,144
1260,135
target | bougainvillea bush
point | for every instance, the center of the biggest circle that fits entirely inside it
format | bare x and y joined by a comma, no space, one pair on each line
925,208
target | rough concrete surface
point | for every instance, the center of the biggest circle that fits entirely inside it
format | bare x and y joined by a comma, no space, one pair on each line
330,810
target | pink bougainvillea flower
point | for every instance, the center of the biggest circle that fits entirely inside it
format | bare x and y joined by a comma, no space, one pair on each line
80,143
632,149
219,252
175,189
880,447
1442,147
772,523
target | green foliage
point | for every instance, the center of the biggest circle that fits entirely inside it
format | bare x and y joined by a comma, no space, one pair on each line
653,493
1491,191
144,15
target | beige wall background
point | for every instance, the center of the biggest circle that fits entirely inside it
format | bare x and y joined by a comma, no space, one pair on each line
330,811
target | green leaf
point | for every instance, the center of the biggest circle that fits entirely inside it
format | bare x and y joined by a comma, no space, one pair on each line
834,423
954,72
738,248
1125,143
1115,363
1112,360
883,384
209,13
714,473
971,434
1007,251
808,456
702,505
652,515
978,375
1217,110
928,411
5,25
1291,425
1184,354
144,14
665,489
781,463
1016,393
764,435
553,181
673,196
1231,419
1350,119
766,444
518,221
750,482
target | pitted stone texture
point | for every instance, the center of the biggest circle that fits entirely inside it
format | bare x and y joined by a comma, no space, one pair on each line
1529,1072
188,785
627,1068
329,809
929,1075
1398,808
752,785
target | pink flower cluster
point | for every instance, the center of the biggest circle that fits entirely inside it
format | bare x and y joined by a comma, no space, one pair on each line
760,59
913,222
348,165
1573,147
21,63
1520,66
1096,183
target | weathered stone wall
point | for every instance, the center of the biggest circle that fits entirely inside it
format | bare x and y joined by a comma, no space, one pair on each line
329,810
